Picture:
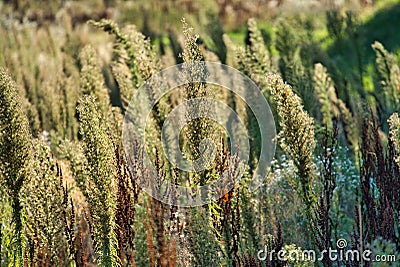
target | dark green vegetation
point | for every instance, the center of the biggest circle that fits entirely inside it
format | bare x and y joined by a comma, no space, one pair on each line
67,197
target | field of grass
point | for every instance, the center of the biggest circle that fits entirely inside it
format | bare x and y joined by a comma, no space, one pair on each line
89,175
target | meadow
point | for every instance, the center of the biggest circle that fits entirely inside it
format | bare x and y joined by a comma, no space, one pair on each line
71,195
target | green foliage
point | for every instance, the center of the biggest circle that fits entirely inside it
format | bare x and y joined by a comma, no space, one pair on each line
6,230
335,24
216,32
384,249
44,209
296,57
326,92
287,40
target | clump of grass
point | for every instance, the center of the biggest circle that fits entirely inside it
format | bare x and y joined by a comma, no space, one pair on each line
198,129
15,157
387,94
135,59
297,137
332,107
254,60
91,78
